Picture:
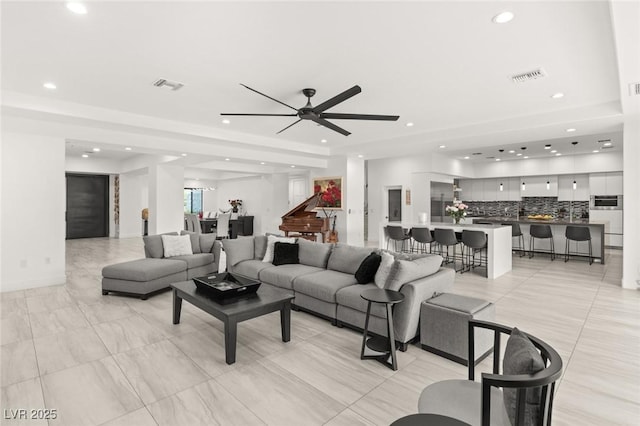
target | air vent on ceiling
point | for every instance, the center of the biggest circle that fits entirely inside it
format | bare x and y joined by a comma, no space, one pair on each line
606,147
526,76
604,140
173,85
634,89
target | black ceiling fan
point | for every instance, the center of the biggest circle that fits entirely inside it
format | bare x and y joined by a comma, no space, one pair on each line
317,114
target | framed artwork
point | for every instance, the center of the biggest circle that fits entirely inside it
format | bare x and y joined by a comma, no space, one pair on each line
331,190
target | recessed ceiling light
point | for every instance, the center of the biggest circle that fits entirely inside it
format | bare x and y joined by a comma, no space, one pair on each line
547,147
85,155
443,146
360,155
227,159
497,159
77,8
293,167
323,141
511,151
225,121
49,85
128,148
553,151
503,17
557,95
558,154
518,154
526,156
595,150
262,162
571,130
183,154
96,149
409,124
607,144
466,158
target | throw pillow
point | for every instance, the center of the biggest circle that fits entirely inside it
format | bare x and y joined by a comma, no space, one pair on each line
195,241
176,245
238,249
522,357
386,262
285,253
404,271
367,270
271,240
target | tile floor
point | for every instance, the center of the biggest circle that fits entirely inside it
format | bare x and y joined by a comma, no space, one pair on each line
108,360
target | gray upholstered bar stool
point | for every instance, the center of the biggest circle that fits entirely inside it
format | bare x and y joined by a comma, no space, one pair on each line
397,235
447,238
542,232
421,239
578,234
474,242
517,232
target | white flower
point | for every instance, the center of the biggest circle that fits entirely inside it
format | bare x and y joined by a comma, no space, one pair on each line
454,209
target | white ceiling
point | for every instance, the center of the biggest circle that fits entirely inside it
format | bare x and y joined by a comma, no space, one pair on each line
445,66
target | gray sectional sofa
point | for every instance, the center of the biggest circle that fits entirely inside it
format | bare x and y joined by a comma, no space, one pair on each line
324,283
155,272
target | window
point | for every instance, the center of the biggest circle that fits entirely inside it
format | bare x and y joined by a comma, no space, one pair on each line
192,200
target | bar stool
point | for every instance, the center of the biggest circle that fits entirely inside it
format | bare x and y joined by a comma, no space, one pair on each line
577,233
447,238
475,242
542,232
517,232
397,235
422,237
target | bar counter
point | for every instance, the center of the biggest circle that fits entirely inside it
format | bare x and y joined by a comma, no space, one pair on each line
558,227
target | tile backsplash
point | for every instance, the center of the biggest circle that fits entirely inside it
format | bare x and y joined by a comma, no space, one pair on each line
530,205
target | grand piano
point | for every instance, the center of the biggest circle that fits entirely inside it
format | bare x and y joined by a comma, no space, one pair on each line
303,220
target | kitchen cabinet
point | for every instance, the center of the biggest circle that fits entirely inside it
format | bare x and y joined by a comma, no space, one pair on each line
609,183
536,186
510,189
566,191
490,189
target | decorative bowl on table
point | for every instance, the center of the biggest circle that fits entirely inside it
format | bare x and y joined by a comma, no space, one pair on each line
540,216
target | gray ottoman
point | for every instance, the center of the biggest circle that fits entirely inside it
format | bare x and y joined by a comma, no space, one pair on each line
143,276
444,326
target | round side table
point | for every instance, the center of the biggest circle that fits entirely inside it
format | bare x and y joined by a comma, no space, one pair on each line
376,347
428,420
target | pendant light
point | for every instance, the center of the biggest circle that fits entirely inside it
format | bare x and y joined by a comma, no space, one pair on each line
501,187
523,186
548,185
575,184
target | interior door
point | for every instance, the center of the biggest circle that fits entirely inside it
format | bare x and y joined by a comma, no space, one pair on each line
297,191
395,206
87,206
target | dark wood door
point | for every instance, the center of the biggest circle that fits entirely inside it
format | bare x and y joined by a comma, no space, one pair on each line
87,206
395,207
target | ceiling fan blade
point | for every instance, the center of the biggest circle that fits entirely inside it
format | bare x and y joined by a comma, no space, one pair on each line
259,115
337,99
330,125
267,96
294,123
340,116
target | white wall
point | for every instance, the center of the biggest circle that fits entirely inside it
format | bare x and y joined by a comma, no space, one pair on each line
134,196
354,202
166,198
33,211
631,178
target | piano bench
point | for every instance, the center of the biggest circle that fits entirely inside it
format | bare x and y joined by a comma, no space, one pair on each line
310,237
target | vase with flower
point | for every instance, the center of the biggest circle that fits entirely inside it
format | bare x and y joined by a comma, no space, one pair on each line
457,211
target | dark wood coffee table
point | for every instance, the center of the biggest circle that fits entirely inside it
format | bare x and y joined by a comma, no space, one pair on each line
232,311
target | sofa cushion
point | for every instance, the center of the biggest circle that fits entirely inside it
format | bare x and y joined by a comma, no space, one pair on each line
350,297
153,245
347,259
284,275
324,284
259,246
195,241
367,270
238,249
196,260
206,242
271,240
404,271
314,254
522,357
251,268
285,254
384,269
176,245
143,270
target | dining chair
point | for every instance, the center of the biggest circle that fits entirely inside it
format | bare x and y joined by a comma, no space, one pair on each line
222,228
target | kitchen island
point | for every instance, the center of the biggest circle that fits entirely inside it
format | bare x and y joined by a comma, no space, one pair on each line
558,227
498,241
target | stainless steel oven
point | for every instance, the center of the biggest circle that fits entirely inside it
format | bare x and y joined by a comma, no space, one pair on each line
606,202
